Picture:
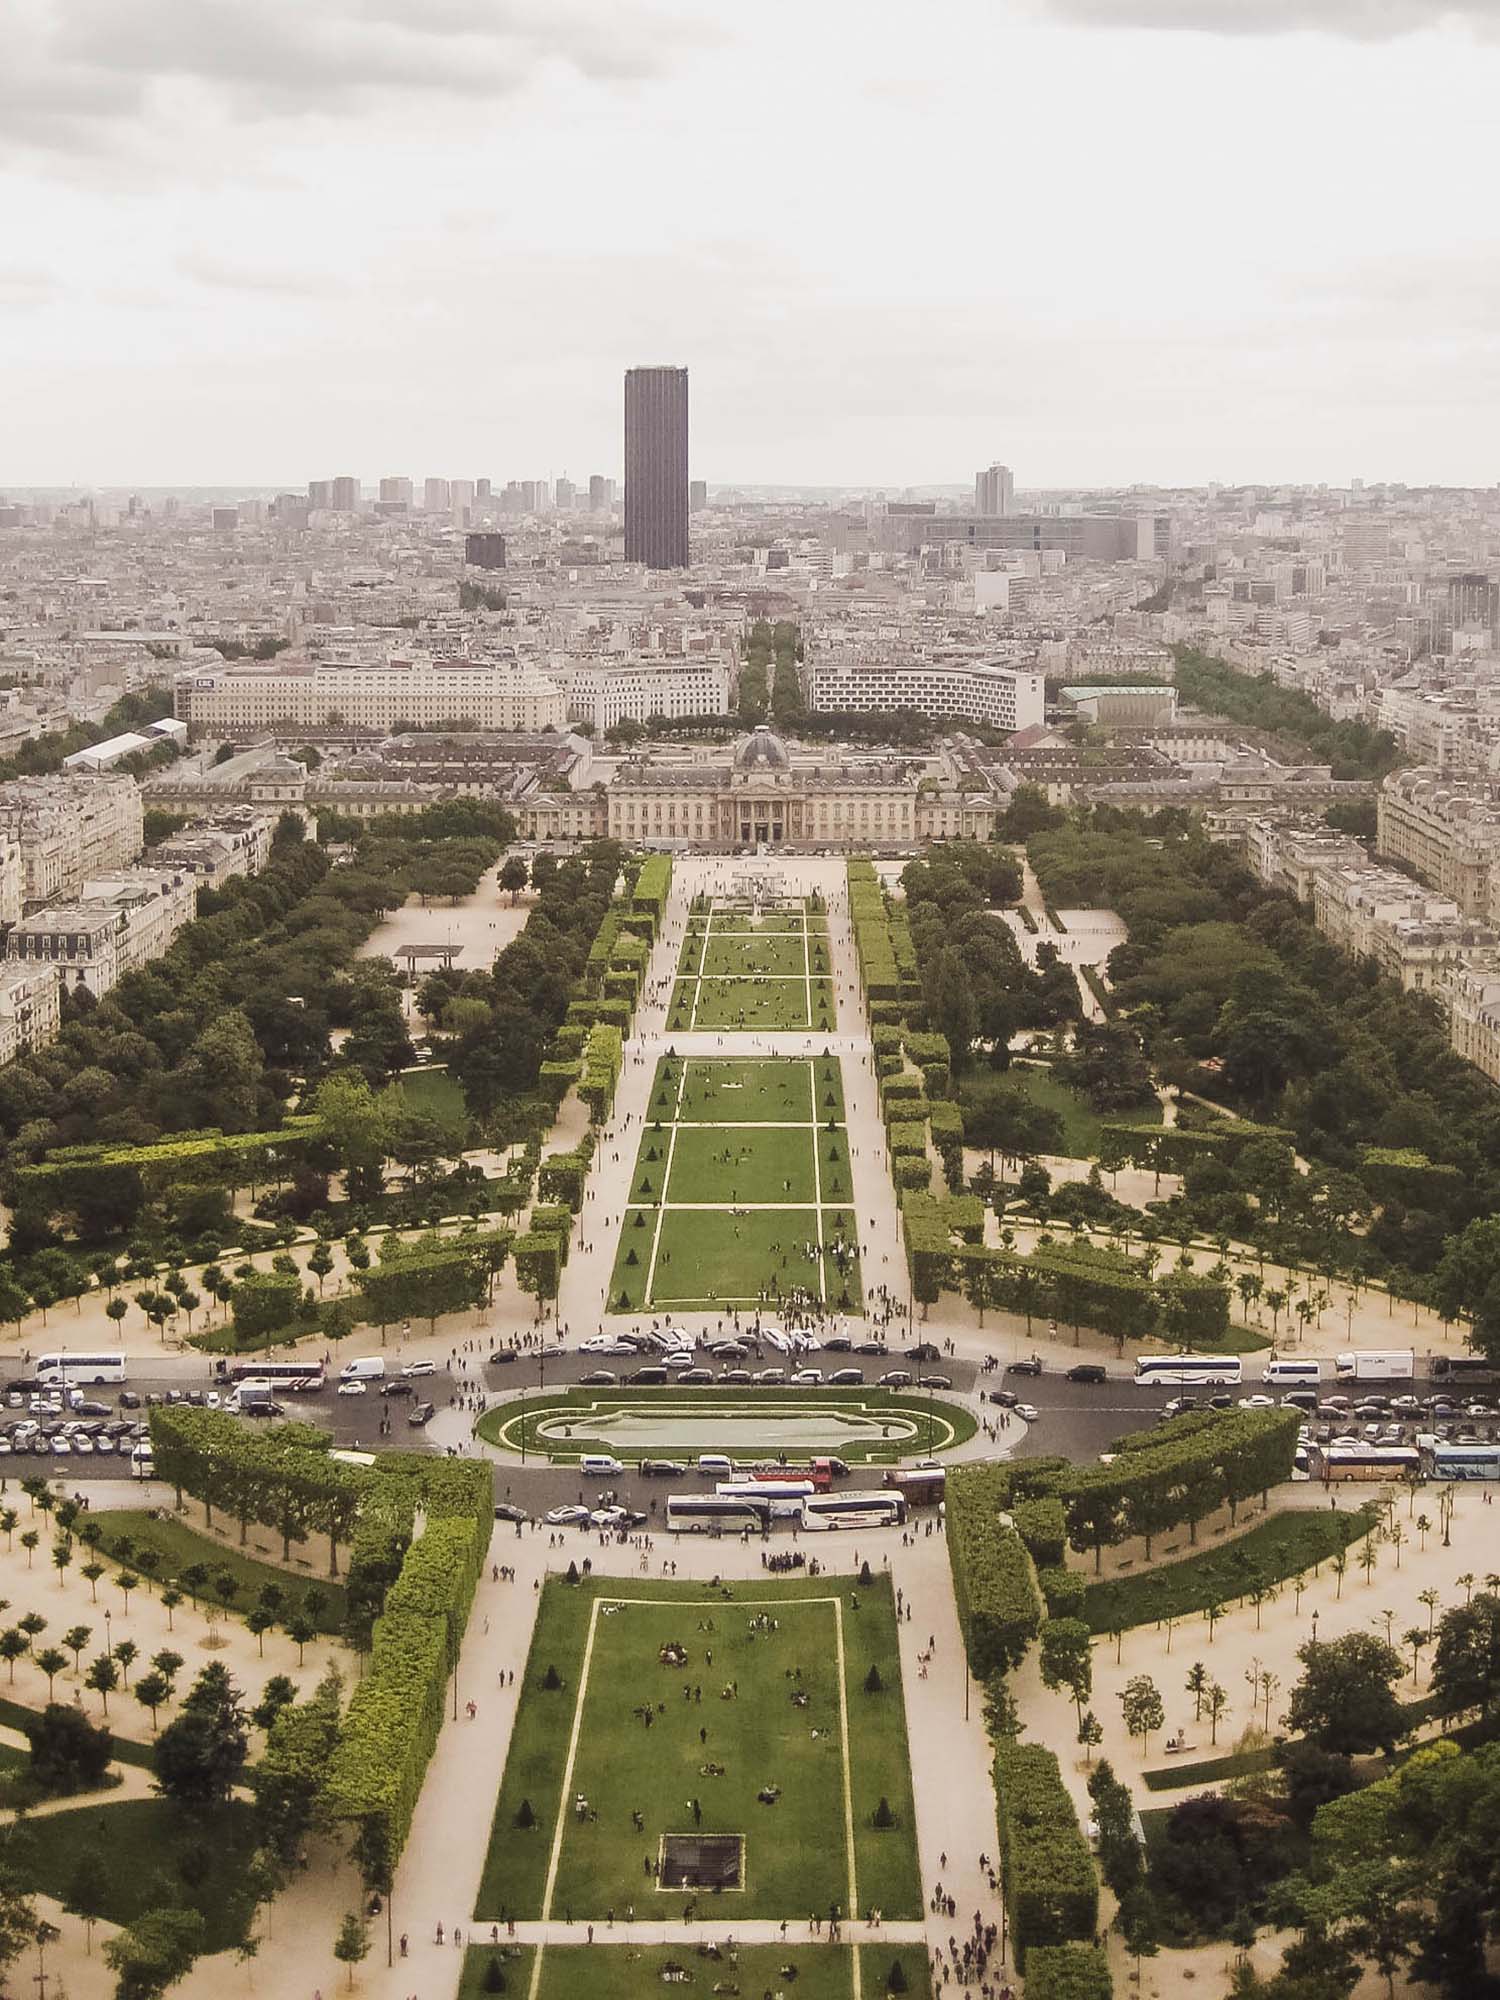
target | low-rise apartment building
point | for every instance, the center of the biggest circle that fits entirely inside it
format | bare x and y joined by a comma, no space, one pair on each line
845,683
30,1009
392,694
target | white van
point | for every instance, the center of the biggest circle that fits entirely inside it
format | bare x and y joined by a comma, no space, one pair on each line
599,1465
714,1465
369,1368
1293,1374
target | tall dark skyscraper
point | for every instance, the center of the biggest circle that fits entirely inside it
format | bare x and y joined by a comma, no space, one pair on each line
656,467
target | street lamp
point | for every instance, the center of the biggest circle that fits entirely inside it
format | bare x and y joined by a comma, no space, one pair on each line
1315,1628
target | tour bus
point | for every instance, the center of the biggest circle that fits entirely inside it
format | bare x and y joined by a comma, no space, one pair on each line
1367,1461
785,1495
1376,1364
921,1486
298,1378
1462,1461
865,1509
1461,1368
1176,1371
59,1371
1293,1374
718,1513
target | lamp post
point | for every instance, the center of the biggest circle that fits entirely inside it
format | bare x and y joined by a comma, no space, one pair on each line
1315,1628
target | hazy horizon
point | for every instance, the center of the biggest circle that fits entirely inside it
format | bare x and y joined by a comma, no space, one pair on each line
1105,241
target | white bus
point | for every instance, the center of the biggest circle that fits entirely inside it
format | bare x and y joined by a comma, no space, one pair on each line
1462,1461
59,1371
717,1514
853,1510
785,1496
1293,1374
1177,1371
300,1378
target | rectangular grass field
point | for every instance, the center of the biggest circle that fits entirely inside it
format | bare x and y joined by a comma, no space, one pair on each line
806,1723
742,1189
745,973
619,1967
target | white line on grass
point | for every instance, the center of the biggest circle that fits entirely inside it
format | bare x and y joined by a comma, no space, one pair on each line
562,1797
853,1910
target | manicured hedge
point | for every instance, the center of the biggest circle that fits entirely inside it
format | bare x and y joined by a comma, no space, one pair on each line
1050,1886
1064,1592
999,1612
1043,1527
1068,1971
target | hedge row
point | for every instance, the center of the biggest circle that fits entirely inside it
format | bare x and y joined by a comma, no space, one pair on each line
999,1612
1048,1880
1068,1972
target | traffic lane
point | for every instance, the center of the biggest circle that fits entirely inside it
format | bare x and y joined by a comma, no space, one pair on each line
1079,1420
566,1368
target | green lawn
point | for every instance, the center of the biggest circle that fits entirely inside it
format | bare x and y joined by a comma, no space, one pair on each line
180,1546
774,1004
435,1092
615,1968
725,1137
1278,1547
154,1853
747,1423
1082,1124
796,1849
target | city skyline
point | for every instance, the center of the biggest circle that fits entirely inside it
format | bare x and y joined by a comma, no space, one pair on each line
303,238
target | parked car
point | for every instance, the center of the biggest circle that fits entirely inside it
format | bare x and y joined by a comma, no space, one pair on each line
847,1378
742,1376
1027,1412
1006,1398
394,1386
412,1369
1087,1371
934,1382
506,1510
662,1468
501,1356
421,1413
598,1378
924,1351
1033,1366
353,1389
896,1378
566,1517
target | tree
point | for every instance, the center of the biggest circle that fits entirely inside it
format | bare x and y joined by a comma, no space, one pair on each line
127,1653
92,1572
352,1945
154,1952
200,1755
68,1752
30,1542
75,1639
103,1677
89,1890
62,1557
301,1630
13,1647
260,1622
1142,1704
1466,1665
1067,1660
512,876
171,1597
152,1691
1215,1706
1345,1700
33,1625
51,1660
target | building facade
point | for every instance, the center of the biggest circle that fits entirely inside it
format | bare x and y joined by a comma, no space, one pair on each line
414,693
968,691
656,467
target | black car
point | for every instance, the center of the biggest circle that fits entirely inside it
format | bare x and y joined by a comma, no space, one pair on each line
1006,1398
879,1347
662,1468
505,1511
421,1413
1030,1367
840,1343
934,1382
129,1400
646,1376
1087,1371
924,1351
395,1386
498,1359
88,1408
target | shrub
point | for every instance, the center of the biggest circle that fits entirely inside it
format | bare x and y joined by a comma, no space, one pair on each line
883,1818
525,1816
998,1611
1068,1972
1050,1884
873,1683
552,1680
1063,1592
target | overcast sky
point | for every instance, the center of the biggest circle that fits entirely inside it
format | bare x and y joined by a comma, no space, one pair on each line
1103,240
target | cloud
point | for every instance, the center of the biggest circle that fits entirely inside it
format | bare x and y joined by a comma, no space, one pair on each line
81,76
206,269
1356,20
28,286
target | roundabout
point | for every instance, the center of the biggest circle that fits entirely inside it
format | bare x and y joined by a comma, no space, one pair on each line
861,1426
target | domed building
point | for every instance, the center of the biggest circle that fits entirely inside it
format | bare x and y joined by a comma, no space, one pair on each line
762,750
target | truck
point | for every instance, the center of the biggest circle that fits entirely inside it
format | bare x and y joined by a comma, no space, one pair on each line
1375,1364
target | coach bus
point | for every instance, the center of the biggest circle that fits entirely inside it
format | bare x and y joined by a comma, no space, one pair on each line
1368,1461
865,1509
1178,1371
298,1378
1461,1368
60,1371
1462,1461
783,1496
717,1514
